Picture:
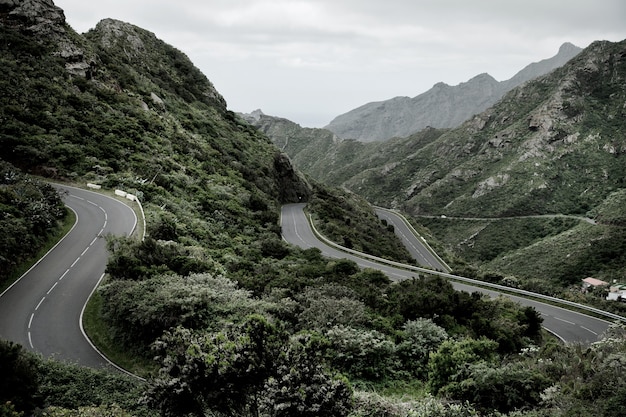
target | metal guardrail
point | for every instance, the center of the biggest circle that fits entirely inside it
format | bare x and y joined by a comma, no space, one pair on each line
500,288
412,229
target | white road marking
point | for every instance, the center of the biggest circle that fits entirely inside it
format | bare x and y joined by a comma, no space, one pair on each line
64,274
589,330
39,305
77,259
566,321
30,322
50,290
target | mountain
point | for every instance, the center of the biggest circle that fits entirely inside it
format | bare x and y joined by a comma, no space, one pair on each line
551,146
525,154
326,157
443,106
219,314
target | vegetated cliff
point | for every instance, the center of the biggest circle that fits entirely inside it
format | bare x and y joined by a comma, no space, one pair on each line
330,159
118,105
121,108
443,106
554,145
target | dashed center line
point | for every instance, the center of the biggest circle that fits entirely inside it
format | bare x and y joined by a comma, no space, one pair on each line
589,330
64,274
95,239
51,288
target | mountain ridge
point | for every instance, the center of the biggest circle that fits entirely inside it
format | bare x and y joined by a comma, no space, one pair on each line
443,106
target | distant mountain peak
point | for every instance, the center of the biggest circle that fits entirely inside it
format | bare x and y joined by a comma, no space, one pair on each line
443,106
568,47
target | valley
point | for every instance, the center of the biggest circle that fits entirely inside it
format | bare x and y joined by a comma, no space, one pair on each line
231,305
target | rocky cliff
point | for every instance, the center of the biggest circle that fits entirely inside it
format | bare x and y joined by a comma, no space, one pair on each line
45,22
443,106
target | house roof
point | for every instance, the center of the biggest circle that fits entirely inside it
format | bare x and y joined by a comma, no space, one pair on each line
595,282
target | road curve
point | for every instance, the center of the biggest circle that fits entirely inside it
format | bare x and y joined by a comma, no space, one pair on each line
416,247
43,309
567,325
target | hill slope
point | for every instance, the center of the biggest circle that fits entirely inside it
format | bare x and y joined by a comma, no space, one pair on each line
240,323
443,106
553,145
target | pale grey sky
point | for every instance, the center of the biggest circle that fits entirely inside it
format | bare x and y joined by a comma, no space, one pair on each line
311,60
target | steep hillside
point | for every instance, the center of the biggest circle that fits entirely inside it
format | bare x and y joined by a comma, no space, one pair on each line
554,145
443,106
220,315
332,160
303,145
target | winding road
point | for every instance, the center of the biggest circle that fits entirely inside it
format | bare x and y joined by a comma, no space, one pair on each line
414,244
43,309
569,326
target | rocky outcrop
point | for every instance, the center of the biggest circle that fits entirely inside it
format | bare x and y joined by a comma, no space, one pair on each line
443,106
166,66
47,23
293,188
37,16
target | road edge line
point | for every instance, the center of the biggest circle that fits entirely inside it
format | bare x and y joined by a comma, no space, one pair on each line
46,254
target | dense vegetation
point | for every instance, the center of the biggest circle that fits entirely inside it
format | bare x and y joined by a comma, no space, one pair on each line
347,219
30,212
237,322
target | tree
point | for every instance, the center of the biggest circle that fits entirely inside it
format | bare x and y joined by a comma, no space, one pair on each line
503,388
363,354
242,371
418,339
301,387
329,305
449,365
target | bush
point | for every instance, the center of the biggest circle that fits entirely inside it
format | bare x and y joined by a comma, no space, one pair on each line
19,384
362,354
417,340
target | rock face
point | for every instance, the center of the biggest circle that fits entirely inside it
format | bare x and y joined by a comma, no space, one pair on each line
47,23
172,70
552,145
38,16
442,106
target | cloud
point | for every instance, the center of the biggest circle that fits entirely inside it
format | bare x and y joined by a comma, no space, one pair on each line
322,57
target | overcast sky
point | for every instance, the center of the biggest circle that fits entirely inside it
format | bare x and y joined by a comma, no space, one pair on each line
312,60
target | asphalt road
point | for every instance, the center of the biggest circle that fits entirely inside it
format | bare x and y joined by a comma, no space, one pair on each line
43,309
414,244
569,326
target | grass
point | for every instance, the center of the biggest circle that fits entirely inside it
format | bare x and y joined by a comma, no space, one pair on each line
65,225
100,336
398,389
